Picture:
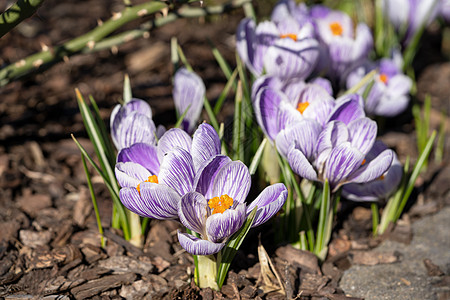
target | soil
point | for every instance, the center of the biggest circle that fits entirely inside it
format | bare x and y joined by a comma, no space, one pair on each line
49,243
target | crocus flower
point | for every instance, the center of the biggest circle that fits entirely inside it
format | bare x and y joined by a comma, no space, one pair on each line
408,16
188,94
132,123
216,207
445,10
153,178
284,48
380,188
389,94
337,152
279,106
342,45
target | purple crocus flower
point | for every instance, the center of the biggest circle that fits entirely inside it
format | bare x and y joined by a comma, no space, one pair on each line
188,94
279,105
153,178
342,46
216,207
389,94
380,188
132,123
337,152
408,16
283,48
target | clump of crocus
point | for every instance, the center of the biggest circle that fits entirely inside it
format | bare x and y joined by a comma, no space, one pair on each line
389,93
192,183
188,96
380,188
341,44
216,208
282,48
337,153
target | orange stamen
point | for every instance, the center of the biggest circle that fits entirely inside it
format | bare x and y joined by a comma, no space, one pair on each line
220,204
336,28
381,177
363,162
152,179
289,35
384,78
302,106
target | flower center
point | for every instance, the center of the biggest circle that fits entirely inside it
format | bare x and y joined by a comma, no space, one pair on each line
289,35
220,204
302,106
384,78
152,179
336,28
363,162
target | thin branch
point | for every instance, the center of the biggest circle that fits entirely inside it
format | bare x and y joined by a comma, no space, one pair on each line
43,60
18,12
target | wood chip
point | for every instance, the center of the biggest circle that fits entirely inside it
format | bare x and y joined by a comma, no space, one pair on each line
95,287
125,264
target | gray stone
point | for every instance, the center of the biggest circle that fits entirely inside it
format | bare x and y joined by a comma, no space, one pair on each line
406,279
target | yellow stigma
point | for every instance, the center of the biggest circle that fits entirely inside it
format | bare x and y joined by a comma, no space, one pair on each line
336,28
384,78
302,106
152,179
289,35
220,204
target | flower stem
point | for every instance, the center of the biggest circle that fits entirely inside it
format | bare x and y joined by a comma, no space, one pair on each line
207,270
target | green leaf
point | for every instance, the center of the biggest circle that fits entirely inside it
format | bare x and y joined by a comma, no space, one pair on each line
114,195
94,201
226,90
226,255
181,118
415,173
257,158
237,125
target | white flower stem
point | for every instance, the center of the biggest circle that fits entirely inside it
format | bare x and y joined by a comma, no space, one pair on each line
207,267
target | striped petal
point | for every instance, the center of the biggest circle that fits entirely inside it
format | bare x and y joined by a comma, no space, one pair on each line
374,168
171,139
222,225
197,246
362,134
300,164
135,128
155,201
188,94
233,180
177,171
192,211
288,58
343,160
347,109
130,174
269,202
143,154
266,107
303,135
206,174
205,144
